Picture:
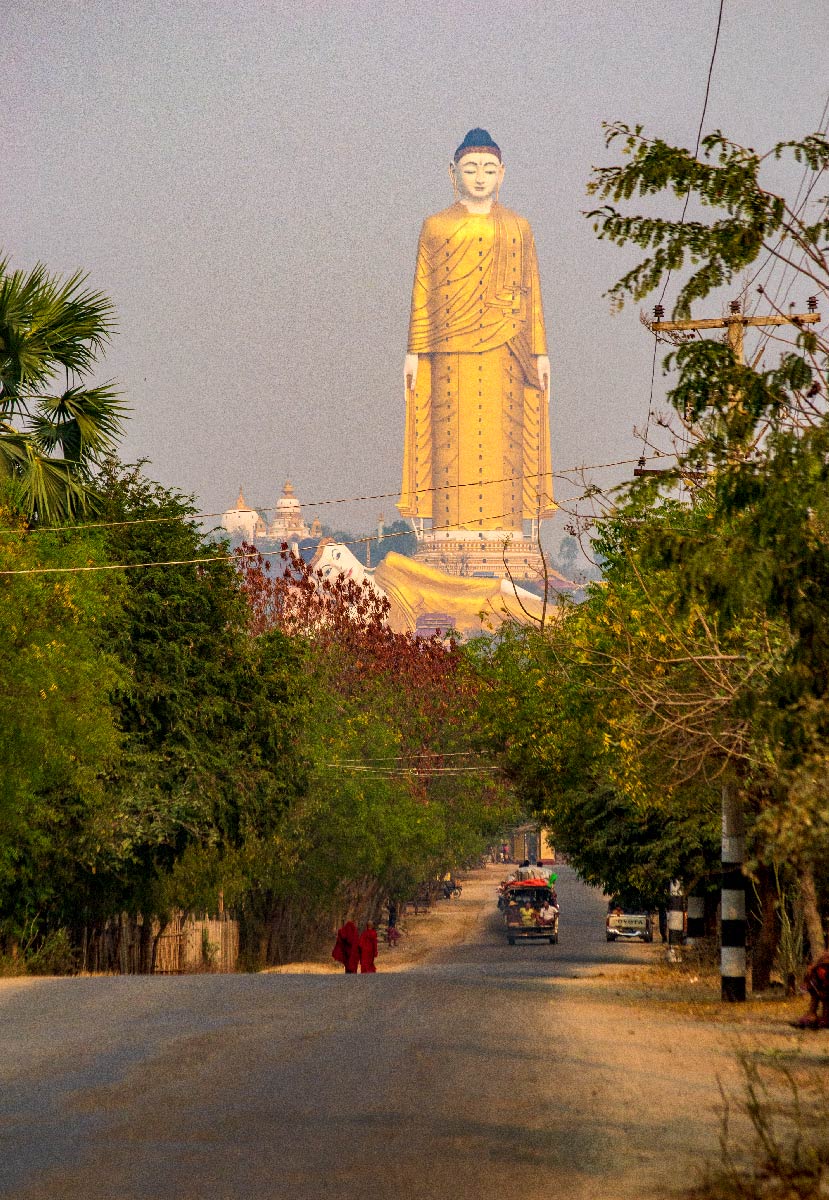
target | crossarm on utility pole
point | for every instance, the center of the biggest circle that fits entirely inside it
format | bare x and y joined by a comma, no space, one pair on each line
735,324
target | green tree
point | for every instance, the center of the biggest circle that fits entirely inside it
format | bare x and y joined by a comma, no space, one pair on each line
59,732
568,552
566,718
701,656
388,718
53,331
399,537
758,454
208,716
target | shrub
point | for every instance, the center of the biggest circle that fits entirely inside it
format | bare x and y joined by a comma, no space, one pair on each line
53,956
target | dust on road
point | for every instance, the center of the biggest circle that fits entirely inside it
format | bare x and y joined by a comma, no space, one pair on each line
465,1068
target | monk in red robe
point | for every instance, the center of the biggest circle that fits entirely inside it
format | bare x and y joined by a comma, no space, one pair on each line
368,949
817,985
347,947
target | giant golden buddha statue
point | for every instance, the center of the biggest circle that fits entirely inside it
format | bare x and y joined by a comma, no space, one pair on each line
477,448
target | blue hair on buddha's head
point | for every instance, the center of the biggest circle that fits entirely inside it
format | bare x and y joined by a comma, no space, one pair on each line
478,139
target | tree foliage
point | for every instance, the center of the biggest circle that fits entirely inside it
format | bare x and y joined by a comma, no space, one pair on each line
702,656
751,218
51,439
59,731
192,728
393,794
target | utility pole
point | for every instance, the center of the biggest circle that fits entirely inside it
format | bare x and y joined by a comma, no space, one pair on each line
732,886
735,325
732,899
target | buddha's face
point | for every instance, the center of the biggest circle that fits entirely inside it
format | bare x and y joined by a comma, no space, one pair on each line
478,176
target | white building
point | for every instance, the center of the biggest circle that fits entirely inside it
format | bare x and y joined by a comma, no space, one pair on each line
243,521
288,524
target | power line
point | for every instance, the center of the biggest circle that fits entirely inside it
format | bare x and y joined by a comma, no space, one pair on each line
175,562
237,556
384,758
409,772
701,124
562,474
798,208
771,256
684,209
215,558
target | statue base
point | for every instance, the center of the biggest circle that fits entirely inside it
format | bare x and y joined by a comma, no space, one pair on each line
471,554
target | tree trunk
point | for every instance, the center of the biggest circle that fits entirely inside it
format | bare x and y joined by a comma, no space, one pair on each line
162,925
811,911
765,929
145,946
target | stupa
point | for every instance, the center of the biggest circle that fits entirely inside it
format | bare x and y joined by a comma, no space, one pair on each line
243,521
288,524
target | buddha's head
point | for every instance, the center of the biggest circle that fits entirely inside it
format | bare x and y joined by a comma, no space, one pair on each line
477,170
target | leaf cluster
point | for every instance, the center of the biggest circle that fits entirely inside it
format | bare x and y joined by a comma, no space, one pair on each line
51,439
725,177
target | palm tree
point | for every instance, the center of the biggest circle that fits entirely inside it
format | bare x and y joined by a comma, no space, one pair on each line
51,440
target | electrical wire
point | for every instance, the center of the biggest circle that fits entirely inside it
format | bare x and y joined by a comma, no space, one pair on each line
237,556
562,474
798,207
384,758
409,772
174,562
771,259
215,558
684,211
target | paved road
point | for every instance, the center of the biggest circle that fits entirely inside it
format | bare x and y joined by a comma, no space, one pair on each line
489,1071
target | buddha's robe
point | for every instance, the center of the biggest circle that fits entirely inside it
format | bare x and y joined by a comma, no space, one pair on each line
414,589
477,449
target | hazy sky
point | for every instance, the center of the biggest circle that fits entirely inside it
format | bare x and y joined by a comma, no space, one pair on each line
246,180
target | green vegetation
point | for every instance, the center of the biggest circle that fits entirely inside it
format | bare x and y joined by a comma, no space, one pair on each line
239,732
207,732
702,659
51,441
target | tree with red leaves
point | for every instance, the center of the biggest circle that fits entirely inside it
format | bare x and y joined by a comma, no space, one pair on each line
397,789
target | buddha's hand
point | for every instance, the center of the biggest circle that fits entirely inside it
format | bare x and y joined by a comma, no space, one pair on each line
410,371
542,364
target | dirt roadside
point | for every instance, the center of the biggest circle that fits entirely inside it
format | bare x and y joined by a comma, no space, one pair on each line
465,1065
422,935
660,1042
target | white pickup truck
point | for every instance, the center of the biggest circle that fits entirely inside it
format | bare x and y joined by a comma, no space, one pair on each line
624,924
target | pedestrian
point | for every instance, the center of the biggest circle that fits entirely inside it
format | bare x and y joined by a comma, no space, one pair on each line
347,947
368,949
392,932
817,985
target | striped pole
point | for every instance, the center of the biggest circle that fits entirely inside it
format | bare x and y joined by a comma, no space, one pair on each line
733,900
696,919
676,906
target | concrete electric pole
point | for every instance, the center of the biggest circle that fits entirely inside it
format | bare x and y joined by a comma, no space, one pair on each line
732,884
